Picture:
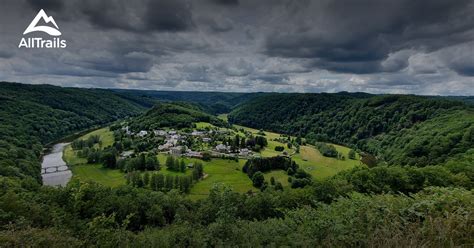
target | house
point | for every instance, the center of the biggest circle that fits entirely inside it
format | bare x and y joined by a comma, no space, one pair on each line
176,150
172,132
205,139
193,154
165,146
222,148
126,154
244,152
160,133
142,133
197,133
127,130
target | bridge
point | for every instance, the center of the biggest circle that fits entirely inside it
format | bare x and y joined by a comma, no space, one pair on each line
54,169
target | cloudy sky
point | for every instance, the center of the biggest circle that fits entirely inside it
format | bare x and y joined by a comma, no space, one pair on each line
378,46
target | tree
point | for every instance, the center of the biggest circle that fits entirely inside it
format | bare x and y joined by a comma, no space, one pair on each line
187,184
298,140
279,148
352,154
152,163
160,182
206,156
146,179
182,166
154,182
168,182
272,180
109,160
176,165
258,179
170,162
278,186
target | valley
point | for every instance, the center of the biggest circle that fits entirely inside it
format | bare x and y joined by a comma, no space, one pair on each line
206,169
226,171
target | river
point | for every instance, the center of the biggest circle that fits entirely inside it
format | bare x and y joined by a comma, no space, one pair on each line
54,170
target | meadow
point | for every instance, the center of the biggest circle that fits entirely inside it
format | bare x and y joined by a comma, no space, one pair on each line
217,171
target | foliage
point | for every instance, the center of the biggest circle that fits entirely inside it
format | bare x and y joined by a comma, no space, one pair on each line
175,115
34,115
266,164
326,150
258,179
400,129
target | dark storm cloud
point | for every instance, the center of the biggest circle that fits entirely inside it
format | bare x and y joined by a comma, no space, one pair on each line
46,4
169,15
226,2
141,16
346,34
403,46
132,62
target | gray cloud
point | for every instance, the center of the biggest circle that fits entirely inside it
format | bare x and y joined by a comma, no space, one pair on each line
356,36
377,46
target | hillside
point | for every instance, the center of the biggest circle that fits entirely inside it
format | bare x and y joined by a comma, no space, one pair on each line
175,115
33,115
211,102
400,129
359,206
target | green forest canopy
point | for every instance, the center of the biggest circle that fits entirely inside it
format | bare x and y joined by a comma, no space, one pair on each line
381,206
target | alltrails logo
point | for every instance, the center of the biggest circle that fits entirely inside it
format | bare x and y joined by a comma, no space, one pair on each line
38,42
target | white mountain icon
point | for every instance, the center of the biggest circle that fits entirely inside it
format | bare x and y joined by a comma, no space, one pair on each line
47,19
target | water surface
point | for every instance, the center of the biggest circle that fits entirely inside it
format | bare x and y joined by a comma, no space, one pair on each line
54,170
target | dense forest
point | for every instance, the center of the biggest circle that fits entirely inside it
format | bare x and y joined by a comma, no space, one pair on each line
399,129
34,115
211,102
394,205
175,115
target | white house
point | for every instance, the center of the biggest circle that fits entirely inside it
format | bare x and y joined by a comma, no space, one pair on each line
222,148
160,133
197,133
142,133
176,150
244,152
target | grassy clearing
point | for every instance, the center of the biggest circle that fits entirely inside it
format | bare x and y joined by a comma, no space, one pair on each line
279,175
228,172
96,173
269,151
311,160
223,117
202,125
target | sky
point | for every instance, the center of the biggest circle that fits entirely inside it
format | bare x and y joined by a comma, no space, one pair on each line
378,46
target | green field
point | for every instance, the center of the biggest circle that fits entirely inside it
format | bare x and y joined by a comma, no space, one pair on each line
309,158
202,125
94,172
228,172
223,117
221,171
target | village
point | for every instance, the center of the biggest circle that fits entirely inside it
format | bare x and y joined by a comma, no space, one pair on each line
196,143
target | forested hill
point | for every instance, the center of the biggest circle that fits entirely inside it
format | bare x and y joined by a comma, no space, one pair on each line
175,115
401,129
33,115
211,102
